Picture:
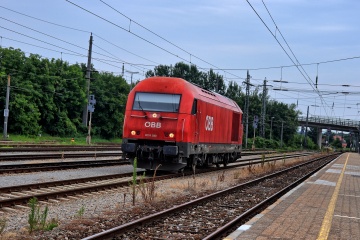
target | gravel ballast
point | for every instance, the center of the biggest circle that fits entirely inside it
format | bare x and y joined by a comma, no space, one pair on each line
114,202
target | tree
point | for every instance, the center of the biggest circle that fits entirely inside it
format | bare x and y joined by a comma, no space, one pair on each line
48,96
312,134
282,113
337,143
111,94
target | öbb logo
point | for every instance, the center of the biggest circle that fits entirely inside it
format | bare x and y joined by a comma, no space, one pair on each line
209,123
153,124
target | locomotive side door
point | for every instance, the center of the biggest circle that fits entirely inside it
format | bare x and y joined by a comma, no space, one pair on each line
196,113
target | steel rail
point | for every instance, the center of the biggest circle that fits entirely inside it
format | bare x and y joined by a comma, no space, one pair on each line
33,167
260,206
112,233
57,149
38,186
32,156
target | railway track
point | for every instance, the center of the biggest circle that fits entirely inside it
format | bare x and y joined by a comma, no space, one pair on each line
215,215
58,149
268,158
60,155
52,166
61,165
19,195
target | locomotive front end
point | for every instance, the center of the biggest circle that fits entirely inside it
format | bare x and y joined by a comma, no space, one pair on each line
150,130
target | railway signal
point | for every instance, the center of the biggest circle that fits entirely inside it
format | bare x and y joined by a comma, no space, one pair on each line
256,121
92,102
91,109
329,131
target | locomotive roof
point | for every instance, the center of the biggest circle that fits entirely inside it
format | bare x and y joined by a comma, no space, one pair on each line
181,85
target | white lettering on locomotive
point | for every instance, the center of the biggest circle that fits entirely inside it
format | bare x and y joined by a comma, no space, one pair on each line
209,123
153,124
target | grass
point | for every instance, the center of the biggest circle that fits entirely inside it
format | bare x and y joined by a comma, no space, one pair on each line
80,212
133,182
2,225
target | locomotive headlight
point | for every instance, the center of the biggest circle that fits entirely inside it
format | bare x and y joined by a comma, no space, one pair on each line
133,132
171,135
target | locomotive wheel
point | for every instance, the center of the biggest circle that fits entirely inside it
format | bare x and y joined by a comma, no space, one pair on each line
193,163
226,160
193,168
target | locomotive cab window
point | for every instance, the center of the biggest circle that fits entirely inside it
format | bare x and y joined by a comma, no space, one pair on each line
158,102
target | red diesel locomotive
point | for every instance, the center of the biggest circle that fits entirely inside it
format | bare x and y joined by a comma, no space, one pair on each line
172,122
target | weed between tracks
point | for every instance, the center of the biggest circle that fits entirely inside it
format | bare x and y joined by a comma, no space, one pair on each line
38,220
148,190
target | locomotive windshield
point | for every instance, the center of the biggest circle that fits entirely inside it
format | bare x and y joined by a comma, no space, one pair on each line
158,102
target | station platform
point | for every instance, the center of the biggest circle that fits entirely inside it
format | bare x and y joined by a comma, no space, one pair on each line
325,206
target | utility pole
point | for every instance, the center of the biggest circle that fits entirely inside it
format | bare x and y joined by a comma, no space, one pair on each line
282,132
91,108
122,70
358,139
271,127
306,127
6,110
217,84
131,77
88,72
247,83
263,110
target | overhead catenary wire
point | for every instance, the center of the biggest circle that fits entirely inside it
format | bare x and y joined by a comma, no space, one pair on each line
54,45
115,45
67,42
220,69
49,49
301,72
290,66
115,61
42,20
297,65
105,61
142,38
142,69
85,31
171,43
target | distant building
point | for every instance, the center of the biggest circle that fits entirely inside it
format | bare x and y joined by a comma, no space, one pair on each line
343,142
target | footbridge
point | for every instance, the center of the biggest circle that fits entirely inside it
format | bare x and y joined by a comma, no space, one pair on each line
337,124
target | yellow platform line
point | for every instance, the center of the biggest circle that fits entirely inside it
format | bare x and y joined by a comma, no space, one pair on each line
326,224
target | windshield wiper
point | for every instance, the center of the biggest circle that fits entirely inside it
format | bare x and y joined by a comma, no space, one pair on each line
141,107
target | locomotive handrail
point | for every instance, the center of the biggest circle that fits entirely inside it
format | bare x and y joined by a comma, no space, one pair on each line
182,130
171,118
139,116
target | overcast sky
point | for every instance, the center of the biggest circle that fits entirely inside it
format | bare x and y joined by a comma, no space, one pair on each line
229,36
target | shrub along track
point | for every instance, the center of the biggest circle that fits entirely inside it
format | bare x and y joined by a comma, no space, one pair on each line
213,216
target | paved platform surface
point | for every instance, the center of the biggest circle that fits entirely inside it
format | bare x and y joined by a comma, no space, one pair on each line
325,206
